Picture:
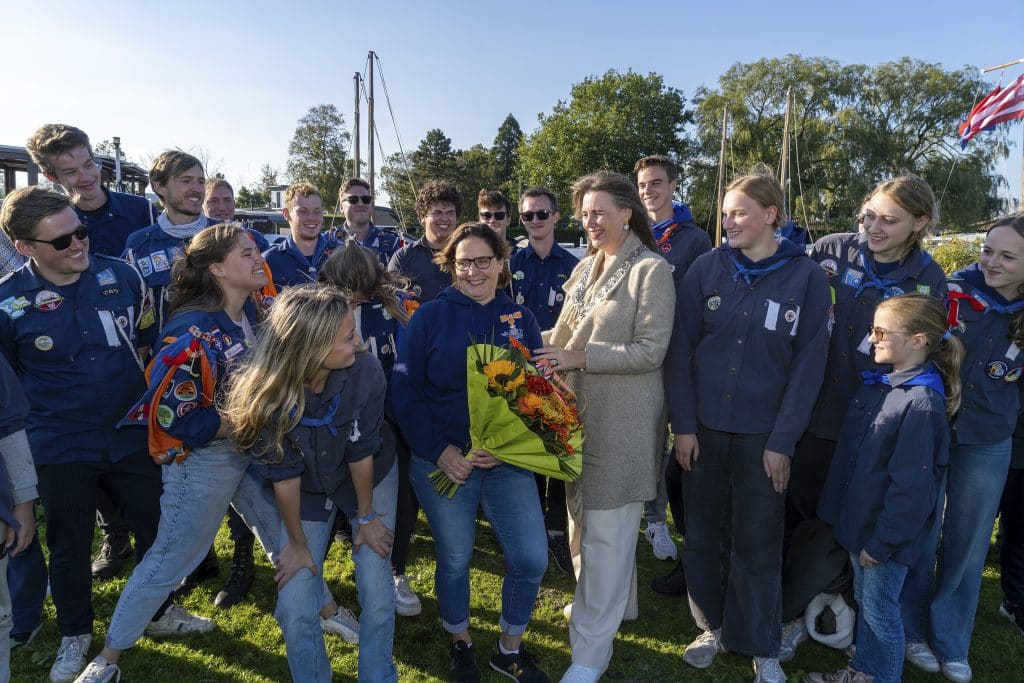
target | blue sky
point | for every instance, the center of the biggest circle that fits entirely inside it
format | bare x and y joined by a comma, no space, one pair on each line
233,78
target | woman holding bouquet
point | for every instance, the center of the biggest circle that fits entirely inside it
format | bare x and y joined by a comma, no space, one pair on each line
611,336
429,401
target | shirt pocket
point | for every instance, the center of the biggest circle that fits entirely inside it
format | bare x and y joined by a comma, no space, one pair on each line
117,325
782,317
41,344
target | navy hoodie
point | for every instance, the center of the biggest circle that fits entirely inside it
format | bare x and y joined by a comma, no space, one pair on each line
748,345
428,384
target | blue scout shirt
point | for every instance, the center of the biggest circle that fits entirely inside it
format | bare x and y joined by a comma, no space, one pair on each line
379,331
111,224
681,241
856,291
416,262
289,266
429,381
993,364
884,490
341,425
74,350
748,346
537,283
384,243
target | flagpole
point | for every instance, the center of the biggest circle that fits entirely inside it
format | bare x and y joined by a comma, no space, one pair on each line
989,69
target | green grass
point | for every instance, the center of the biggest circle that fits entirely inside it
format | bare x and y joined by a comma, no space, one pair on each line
247,644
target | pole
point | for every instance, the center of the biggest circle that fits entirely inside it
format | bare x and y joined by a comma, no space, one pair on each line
117,165
784,164
369,135
987,69
355,141
721,179
998,67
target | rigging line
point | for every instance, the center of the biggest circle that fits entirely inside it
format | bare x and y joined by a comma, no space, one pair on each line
396,207
956,158
800,188
394,124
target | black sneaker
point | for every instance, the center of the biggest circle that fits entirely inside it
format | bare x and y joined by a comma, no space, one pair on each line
462,668
673,583
110,559
558,546
1014,613
520,666
240,578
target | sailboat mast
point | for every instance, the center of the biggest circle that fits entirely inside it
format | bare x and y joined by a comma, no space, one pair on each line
369,133
355,126
721,179
784,163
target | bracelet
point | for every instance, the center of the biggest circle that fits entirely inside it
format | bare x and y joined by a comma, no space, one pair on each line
365,520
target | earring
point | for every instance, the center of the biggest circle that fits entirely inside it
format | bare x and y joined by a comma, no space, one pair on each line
626,226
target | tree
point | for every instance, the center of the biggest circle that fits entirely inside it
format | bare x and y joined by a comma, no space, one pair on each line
608,123
434,159
505,152
106,148
252,199
268,177
318,150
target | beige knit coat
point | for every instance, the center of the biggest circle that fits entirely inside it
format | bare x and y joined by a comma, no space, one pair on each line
625,338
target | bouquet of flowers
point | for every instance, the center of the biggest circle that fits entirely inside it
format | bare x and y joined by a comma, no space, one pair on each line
519,415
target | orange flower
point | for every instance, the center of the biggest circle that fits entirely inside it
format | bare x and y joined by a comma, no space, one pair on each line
551,411
529,404
520,347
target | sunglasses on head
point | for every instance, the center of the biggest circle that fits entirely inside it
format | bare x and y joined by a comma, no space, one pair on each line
496,215
541,215
64,241
355,199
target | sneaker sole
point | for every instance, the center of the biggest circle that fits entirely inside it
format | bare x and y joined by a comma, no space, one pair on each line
408,610
1013,620
700,664
504,673
350,637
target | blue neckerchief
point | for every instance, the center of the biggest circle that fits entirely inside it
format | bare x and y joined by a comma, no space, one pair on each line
986,295
325,421
871,279
929,378
993,306
750,273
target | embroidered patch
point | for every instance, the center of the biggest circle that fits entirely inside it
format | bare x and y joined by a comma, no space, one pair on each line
48,301
559,297
146,266
186,408
106,278
953,287
714,302
513,331
385,350
790,316
43,343
110,291
892,291
176,253
234,351
122,322
186,391
852,277
830,267
924,289
165,416
160,261
14,307
354,435
519,275
665,248
1013,375
996,369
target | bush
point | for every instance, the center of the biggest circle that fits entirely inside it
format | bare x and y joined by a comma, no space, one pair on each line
955,253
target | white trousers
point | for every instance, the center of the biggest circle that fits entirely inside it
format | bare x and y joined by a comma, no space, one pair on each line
603,547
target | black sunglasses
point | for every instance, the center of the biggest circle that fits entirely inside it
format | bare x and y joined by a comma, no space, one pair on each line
497,215
355,199
541,215
64,241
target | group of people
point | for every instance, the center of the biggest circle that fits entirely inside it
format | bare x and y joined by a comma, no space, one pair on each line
758,389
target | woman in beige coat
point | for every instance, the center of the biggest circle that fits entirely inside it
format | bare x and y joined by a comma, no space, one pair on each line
609,342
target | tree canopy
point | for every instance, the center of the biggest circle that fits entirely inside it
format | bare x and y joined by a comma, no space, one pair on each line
318,151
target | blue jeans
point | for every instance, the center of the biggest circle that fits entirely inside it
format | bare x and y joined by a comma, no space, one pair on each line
196,495
27,579
299,602
5,619
880,643
509,498
919,586
976,478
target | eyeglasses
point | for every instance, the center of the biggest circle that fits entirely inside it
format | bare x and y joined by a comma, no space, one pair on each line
61,243
497,215
879,334
541,215
480,262
355,199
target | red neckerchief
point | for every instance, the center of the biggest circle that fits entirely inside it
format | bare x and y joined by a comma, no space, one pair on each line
953,300
666,236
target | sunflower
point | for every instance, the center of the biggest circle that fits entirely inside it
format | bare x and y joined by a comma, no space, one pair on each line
503,375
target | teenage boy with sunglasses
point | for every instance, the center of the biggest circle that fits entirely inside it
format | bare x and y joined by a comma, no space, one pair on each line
357,205
71,324
538,273
495,210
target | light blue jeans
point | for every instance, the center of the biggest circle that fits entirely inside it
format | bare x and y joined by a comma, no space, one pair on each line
509,498
976,478
299,602
880,644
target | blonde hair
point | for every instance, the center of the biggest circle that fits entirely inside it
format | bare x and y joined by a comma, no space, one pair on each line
300,189
924,314
764,189
267,393
914,195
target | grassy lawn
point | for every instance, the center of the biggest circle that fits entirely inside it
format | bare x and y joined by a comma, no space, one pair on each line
247,644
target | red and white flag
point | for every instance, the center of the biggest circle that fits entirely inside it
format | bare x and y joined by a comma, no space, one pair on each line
999,106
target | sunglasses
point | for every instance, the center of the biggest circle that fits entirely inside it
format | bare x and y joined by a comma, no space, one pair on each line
496,215
541,215
355,199
61,243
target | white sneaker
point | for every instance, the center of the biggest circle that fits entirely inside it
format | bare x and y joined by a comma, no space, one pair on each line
768,670
342,623
922,657
702,651
70,658
661,542
567,611
958,671
793,633
406,602
577,673
177,622
99,671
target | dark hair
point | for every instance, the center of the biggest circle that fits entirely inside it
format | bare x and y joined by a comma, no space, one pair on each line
493,198
445,258
357,270
1016,222
540,192
193,286
52,140
624,195
661,161
169,164
349,184
437,192
25,207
